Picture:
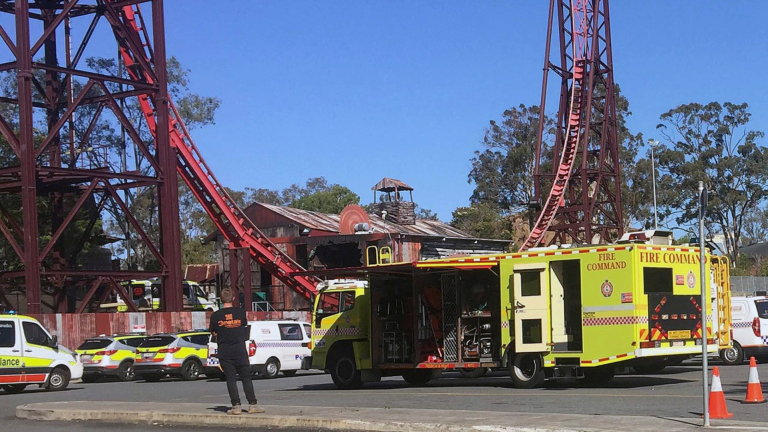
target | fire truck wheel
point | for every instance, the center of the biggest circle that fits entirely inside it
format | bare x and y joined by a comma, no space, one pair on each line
344,372
526,371
598,376
733,355
418,377
473,372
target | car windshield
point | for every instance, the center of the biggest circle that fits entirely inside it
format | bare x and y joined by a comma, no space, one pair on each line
91,344
157,341
762,308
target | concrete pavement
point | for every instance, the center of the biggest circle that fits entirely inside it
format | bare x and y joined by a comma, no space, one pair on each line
361,419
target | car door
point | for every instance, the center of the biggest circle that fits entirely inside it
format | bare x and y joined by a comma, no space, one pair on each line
292,337
531,303
11,358
38,351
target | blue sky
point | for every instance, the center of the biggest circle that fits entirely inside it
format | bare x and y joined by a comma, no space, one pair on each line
359,90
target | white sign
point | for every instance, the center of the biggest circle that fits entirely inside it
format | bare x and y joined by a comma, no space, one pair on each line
138,328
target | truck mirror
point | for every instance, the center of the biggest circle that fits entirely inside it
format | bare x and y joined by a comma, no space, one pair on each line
54,341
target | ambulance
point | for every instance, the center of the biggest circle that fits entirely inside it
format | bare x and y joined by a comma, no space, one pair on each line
30,355
579,312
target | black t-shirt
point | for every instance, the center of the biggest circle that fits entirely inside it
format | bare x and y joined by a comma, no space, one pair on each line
229,326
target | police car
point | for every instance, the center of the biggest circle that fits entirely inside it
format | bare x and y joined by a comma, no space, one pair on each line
176,354
273,347
749,317
30,355
109,356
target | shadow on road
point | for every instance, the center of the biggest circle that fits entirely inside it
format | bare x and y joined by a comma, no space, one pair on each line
620,382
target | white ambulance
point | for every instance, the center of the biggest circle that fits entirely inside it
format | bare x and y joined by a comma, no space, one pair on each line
30,355
750,330
273,347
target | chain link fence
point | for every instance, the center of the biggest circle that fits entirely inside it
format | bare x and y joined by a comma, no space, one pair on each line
748,285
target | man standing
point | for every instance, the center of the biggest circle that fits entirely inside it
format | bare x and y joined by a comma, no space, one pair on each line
228,324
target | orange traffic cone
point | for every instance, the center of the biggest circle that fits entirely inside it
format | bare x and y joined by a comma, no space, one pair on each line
717,409
754,389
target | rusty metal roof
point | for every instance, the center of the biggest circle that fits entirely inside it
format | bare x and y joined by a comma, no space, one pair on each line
330,223
390,185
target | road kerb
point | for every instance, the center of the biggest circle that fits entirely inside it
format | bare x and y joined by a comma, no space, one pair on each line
45,413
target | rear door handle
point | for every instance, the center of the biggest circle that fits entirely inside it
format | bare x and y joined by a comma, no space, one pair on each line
27,350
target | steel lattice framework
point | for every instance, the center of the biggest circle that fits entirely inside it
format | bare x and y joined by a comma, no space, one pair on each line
581,174
55,169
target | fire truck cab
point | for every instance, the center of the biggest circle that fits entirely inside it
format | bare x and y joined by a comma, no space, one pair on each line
577,312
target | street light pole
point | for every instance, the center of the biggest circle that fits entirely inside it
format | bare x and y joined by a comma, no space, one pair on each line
653,143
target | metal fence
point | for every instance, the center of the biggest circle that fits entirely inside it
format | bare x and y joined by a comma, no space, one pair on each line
748,285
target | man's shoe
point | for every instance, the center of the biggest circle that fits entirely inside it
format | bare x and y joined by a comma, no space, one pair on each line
254,409
235,410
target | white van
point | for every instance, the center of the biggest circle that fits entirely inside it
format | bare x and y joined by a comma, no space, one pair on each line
749,317
273,347
30,355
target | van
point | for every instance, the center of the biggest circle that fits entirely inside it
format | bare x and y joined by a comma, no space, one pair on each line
30,355
750,330
273,347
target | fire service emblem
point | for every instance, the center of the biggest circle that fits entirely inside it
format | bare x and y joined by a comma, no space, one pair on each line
606,288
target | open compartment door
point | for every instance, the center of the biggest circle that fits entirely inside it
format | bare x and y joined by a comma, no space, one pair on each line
530,301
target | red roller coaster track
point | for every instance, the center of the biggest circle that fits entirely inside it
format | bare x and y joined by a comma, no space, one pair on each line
228,217
584,201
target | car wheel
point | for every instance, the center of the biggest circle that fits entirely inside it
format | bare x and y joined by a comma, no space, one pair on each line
733,355
126,372
190,370
58,380
271,368
345,374
90,378
473,372
289,373
152,377
526,371
14,388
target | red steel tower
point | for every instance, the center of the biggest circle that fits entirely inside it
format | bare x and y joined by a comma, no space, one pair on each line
577,183
54,164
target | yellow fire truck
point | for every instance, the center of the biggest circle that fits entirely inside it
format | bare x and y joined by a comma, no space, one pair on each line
579,312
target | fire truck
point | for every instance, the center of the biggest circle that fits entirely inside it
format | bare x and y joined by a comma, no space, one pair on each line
578,312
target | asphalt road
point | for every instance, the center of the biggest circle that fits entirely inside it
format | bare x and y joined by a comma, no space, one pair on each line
675,392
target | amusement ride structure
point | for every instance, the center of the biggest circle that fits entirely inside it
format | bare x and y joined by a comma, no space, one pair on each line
49,163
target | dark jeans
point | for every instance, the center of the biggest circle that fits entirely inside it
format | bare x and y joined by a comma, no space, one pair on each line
232,368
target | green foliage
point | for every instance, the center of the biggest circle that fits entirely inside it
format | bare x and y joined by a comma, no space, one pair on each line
482,220
331,200
713,143
503,172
